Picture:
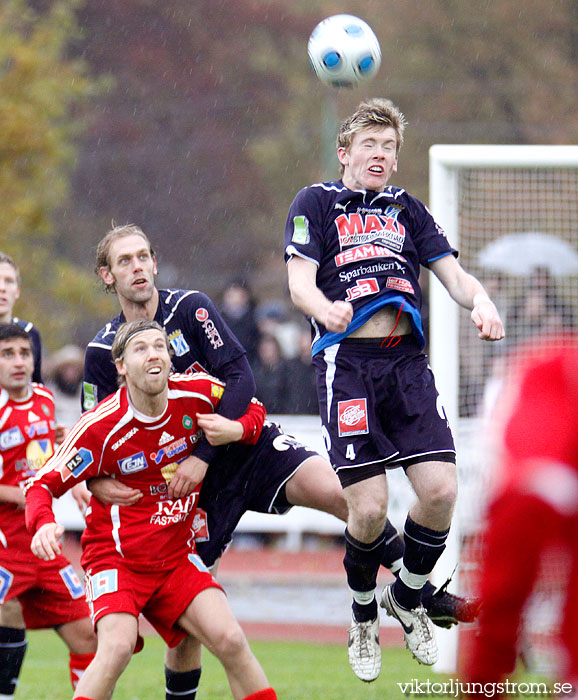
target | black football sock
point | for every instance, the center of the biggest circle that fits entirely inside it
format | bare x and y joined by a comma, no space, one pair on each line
361,564
182,684
12,650
423,547
394,548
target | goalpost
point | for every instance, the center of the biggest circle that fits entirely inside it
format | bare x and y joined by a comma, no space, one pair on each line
522,197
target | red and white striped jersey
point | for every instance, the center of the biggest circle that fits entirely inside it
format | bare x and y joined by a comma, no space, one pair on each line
143,452
26,442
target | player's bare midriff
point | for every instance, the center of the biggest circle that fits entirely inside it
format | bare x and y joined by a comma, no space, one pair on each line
382,323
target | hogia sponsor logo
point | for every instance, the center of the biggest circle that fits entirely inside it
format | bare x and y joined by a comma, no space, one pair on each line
352,417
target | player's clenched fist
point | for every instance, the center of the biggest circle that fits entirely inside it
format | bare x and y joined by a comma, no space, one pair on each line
46,541
339,316
487,319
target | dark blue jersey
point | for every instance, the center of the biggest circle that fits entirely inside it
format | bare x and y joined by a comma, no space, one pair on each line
36,347
201,341
368,248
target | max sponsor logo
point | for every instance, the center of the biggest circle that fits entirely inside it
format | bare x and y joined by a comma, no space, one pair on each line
123,439
132,464
357,230
211,331
362,288
352,417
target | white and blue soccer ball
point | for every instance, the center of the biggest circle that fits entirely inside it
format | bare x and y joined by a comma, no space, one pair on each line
344,51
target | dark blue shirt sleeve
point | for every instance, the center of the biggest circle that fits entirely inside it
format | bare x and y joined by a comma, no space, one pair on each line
37,350
100,377
240,389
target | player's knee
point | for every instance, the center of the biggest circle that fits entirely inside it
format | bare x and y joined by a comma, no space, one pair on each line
442,497
115,652
369,522
230,643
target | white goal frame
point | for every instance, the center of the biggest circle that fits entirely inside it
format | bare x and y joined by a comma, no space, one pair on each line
445,163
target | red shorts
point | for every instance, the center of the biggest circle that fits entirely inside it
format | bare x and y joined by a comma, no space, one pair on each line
162,596
50,592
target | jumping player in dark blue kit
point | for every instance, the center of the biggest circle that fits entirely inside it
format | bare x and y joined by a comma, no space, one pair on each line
354,249
270,477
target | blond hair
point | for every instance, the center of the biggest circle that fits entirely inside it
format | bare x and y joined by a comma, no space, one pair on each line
375,113
5,258
127,332
103,248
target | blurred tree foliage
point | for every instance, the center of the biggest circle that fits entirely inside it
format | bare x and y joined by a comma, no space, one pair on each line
39,89
215,119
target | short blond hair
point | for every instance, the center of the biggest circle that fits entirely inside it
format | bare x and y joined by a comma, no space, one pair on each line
103,248
375,113
5,258
126,332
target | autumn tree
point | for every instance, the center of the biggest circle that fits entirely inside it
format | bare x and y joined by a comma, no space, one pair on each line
40,87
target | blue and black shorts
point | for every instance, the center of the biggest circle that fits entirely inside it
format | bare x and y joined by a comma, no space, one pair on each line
380,408
244,478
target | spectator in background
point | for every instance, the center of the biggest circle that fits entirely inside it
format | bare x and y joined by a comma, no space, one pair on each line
238,311
64,378
302,389
539,310
10,288
272,375
274,318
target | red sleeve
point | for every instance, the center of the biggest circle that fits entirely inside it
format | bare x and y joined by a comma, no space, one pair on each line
252,421
72,463
38,507
519,528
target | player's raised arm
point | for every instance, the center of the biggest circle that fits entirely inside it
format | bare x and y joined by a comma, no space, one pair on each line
334,315
468,292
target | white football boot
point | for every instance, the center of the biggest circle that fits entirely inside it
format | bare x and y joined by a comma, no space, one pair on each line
417,628
364,650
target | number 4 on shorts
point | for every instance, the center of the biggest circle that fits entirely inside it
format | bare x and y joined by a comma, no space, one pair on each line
350,451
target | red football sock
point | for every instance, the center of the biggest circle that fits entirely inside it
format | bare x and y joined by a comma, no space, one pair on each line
78,665
265,694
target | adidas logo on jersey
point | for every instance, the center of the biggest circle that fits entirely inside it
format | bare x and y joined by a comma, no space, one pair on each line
165,437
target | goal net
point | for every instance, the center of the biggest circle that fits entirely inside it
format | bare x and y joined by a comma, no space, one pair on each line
512,212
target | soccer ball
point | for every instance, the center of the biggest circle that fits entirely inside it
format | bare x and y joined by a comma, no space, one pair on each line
344,51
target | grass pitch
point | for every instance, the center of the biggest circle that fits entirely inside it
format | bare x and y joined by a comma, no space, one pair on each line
298,671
